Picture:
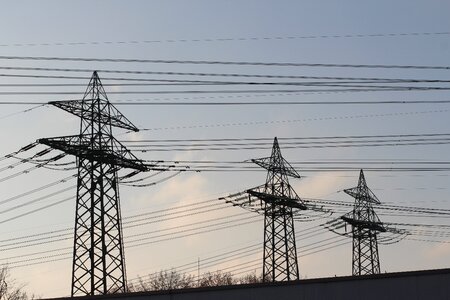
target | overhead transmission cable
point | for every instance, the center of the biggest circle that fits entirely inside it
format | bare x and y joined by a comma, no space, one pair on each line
231,39
254,123
212,62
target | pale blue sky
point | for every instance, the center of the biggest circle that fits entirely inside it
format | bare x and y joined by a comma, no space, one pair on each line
28,22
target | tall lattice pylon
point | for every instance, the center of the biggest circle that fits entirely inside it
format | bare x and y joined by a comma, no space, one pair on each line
278,201
98,252
365,227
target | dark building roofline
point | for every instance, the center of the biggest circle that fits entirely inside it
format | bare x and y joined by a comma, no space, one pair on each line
269,284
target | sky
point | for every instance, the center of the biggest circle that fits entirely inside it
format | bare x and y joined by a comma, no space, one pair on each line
381,32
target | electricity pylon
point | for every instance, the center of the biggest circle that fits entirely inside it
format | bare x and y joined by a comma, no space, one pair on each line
365,227
98,252
278,202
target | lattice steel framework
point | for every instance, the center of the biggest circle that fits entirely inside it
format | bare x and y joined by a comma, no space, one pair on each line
365,227
98,252
278,201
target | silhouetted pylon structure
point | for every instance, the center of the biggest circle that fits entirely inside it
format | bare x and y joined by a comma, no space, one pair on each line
98,252
277,201
365,227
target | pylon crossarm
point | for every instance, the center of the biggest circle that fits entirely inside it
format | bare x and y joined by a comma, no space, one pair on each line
278,200
363,194
78,108
285,168
81,146
376,226
338,226
396,230
246,201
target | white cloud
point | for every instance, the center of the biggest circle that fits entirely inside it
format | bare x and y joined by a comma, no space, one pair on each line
319,185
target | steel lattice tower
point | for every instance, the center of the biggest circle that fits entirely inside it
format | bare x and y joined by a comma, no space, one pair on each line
365,227
98,252
279,199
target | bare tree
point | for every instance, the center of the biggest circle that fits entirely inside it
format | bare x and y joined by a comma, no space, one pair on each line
216,279
164,280
249,278
171,280
9,289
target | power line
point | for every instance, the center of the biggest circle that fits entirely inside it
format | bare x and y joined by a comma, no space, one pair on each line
201,74
269,139
252,123
184,82
230,39
322,80
242,63
216,258
37,189
342,90
168,214
302,141
311,233
149,103
224,147
240,103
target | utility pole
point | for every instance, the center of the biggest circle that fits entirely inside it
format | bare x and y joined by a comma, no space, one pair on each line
365,227
98,252
198,271
277,201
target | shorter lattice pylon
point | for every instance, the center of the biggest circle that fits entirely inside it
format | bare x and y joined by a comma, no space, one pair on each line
365,227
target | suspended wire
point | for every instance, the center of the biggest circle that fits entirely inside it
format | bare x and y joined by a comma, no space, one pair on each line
311,233
254,123
29,241
36,189
35,210
241,63
175,215
239,39
343,90
42,234
121,181
236,256
280,103
202,74
153,103
215,258
184,82
45,197
63,254
208,163
298,146
192,224
154,182
270,139
341,81
128,223
252,267
23,149
50,205
309,249
21,111
38,164
302,141
26,171
185,209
